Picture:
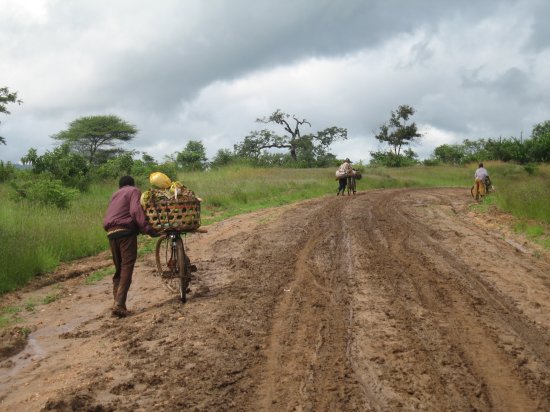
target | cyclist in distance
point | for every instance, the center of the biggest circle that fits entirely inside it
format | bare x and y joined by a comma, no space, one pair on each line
342,175
124,220
480,176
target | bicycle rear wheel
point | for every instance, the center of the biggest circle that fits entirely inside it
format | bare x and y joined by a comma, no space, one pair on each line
173,265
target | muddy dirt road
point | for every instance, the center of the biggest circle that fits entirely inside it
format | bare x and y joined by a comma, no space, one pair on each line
389,300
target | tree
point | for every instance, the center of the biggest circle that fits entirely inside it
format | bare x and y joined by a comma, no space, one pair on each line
7,97
193,157
504,149
449,153
538,146
223,157
258,140
397,132
96,137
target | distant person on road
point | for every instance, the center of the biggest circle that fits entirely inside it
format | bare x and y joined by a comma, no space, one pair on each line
124,220
480,177
342,175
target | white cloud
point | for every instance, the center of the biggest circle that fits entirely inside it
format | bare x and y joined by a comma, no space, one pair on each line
28,12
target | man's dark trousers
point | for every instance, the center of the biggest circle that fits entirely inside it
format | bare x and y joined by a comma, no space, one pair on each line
124,251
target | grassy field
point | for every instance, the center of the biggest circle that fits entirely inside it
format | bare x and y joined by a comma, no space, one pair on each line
35,239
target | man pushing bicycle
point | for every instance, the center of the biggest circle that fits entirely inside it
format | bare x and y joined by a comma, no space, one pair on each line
481,175
124,220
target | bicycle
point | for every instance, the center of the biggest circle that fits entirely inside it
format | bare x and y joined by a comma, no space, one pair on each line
351,183
172,217
173,264
478,192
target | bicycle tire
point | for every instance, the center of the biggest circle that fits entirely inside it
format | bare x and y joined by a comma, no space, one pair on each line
183,269
160,250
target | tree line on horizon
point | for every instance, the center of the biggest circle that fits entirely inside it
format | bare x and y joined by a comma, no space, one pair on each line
91,149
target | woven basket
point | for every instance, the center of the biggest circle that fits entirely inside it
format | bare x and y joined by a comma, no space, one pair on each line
174,215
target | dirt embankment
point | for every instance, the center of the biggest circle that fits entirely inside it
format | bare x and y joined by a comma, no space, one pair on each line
395,299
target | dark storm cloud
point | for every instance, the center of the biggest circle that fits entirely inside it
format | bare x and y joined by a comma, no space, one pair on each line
540,39
512,84
237,37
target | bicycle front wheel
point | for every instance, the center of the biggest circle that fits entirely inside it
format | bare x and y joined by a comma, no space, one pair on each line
184,272
173,265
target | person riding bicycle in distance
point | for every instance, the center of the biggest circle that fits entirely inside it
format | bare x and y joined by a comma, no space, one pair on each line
480,175
124,220
342,174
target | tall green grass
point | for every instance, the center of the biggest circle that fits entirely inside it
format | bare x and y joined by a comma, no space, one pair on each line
524,195
238,189
35,239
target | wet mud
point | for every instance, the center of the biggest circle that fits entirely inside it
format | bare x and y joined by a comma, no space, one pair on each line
387,300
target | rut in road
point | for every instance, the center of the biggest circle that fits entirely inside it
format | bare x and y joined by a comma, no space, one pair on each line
307,360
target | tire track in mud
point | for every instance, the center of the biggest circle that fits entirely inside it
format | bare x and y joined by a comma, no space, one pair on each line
307,364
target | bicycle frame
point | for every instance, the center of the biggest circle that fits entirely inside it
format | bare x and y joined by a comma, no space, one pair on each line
174,244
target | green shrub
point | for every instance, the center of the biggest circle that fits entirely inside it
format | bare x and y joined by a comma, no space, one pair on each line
390,159
44,190
431,162
116,167
530,168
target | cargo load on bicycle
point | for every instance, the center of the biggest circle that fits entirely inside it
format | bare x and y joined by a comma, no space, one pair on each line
172,206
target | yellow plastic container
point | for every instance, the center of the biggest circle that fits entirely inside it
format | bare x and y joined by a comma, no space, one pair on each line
160,180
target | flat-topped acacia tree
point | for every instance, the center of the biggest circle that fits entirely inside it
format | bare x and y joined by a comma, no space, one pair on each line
92,135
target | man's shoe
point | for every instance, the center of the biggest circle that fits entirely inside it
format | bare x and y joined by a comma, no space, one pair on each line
119,311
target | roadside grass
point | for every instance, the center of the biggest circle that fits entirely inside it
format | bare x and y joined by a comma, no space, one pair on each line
416,176
239,189
10,315
52,296
98,275
35,239
525,193
539,233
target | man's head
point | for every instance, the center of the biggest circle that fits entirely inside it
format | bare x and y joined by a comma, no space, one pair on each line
481,165
126,181
347,160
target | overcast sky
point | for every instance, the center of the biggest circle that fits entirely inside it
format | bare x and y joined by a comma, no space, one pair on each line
183,70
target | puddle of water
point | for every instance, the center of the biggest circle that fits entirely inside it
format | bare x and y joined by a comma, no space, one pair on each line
40,344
